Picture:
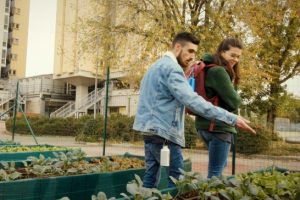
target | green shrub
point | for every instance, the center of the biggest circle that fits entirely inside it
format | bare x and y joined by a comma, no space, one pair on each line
47,126
276,137
91,130
190,132
119,128
248,143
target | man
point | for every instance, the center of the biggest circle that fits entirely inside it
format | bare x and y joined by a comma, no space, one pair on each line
164,92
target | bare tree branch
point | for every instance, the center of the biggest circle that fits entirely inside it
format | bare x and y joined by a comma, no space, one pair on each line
295,71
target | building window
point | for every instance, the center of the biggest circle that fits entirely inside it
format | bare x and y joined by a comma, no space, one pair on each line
3,56
7,6
16,11
16,26
14,72
14,56
15,41
6,22
119,110
114,110
5,38
3,53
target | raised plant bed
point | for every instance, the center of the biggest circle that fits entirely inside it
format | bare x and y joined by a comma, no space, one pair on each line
76,187
264,184
8,142
22,152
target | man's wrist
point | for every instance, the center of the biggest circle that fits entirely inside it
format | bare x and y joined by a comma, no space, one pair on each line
232,118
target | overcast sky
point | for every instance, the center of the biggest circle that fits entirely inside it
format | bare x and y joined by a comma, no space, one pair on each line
41,35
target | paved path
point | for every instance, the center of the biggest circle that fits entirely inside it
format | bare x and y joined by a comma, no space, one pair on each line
198,157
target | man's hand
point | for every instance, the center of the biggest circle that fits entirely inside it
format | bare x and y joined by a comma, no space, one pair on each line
242,123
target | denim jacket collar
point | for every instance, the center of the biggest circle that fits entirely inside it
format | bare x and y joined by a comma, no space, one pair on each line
171,55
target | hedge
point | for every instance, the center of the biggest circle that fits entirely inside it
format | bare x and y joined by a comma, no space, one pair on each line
119,128
88,129
47,126
248,143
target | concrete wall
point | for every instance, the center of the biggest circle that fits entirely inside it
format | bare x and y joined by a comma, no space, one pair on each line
41,84
35,105
285,125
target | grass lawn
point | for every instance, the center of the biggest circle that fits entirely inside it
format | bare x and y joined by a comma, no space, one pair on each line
282,148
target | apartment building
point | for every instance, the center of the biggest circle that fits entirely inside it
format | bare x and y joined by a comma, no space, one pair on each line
15,33
14,18
81,69
4,31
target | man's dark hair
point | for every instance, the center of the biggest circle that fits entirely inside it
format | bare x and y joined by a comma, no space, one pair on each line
183,37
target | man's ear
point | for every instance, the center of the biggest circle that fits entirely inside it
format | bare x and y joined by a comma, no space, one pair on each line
177,49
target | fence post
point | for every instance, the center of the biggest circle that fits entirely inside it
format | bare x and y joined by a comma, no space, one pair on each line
233,153
106,107
15,112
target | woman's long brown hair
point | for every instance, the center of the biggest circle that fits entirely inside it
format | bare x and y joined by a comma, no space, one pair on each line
225,45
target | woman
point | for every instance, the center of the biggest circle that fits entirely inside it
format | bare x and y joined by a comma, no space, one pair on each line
220,81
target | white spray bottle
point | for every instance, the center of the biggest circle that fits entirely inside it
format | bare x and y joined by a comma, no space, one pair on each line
165,156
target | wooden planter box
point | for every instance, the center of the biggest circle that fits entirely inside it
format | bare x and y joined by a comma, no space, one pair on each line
77,187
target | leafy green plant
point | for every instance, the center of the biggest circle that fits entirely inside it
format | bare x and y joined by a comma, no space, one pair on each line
9,172
69,163
271,184
64,198
9,149
266,185
8,142
188,182
259,185
101,196
138,192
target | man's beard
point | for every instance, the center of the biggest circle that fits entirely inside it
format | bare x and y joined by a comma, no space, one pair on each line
179,60
183,65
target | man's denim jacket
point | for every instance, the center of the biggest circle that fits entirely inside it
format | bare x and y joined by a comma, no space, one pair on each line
164,92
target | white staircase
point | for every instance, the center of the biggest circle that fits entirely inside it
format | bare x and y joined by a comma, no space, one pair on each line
70,109
5,98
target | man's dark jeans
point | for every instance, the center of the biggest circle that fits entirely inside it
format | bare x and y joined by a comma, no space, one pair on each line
153,145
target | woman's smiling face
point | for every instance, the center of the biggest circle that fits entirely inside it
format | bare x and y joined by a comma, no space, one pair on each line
232,56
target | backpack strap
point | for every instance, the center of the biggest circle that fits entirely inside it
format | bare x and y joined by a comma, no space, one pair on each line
200,75
198,71
215,102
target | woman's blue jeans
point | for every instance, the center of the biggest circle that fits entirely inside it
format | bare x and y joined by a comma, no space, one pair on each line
218,153
152,161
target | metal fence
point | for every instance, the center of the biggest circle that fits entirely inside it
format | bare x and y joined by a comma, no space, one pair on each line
289,142
125,102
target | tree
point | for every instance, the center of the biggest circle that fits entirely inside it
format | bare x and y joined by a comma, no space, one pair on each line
289,108
137,32
274,27
141,30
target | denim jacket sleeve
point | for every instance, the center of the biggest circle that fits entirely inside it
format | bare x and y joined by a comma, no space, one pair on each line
181,90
